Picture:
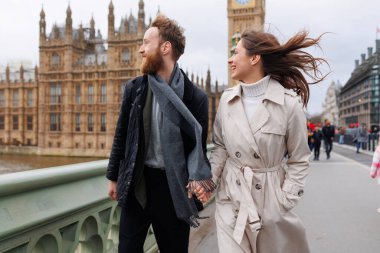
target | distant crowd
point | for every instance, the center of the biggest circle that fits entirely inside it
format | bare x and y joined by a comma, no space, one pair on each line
326,132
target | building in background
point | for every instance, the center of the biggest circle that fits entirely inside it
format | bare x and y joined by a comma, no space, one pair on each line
330,107
359,98
18,104
70,104
242,15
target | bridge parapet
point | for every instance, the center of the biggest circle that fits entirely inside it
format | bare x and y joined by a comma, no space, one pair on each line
61,209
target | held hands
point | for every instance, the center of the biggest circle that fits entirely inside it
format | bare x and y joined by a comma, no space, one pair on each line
202,189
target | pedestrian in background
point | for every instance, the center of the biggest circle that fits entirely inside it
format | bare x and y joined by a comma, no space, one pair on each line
317,137
258,121
375,167
342,132
361,137
328,132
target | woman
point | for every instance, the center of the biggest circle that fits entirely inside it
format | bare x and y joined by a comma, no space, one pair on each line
261,155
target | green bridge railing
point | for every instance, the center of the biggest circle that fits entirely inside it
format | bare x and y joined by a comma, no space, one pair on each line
62,209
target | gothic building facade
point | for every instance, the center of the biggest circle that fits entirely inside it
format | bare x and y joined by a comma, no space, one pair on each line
359,98
71,105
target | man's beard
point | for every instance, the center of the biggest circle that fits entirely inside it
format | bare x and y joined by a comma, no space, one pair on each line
152,63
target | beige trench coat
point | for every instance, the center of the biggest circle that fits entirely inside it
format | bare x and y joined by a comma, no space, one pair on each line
258,185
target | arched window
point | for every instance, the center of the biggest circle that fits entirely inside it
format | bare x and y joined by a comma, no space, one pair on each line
55,60
125,55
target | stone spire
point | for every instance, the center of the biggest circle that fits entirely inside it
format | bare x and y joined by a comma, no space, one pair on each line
81,33
208,82
141,19
42,26
7,74
69,24
111,21
92,28
21,72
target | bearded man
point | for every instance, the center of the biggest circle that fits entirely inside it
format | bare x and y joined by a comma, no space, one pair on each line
158,157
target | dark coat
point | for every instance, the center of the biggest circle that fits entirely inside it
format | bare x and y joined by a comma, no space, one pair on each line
328,132
317,137
128,149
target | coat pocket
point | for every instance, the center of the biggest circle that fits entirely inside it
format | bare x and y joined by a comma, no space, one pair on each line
285,200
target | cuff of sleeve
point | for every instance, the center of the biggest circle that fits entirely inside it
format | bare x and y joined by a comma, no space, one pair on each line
111,177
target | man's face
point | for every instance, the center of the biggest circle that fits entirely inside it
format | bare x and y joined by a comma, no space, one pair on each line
150,51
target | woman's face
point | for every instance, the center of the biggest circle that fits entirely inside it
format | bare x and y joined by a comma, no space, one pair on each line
240,63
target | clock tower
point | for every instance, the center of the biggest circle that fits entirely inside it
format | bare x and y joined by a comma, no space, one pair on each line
242,15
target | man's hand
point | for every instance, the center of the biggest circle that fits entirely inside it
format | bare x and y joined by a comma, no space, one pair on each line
200,192
112,190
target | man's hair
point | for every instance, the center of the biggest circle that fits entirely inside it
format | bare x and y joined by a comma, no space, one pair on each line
170,31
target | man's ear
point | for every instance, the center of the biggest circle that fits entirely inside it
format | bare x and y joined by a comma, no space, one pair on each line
255,59
166,47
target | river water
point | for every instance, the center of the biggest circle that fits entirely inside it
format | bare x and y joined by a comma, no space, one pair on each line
17,163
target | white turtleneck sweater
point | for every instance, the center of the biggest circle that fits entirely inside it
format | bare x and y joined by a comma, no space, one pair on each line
253,95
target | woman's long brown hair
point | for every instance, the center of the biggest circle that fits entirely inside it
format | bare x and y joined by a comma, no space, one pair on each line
285,63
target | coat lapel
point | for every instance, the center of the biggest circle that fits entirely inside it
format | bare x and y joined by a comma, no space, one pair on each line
237,115
259,118
147,118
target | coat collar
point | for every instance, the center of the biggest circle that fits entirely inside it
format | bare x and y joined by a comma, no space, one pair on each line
275,92
188,89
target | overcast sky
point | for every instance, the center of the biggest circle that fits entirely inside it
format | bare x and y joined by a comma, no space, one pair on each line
351,23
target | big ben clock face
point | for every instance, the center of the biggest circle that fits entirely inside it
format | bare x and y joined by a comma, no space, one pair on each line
243,3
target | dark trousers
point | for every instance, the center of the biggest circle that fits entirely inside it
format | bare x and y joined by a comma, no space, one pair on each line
328,146
317,147
172,234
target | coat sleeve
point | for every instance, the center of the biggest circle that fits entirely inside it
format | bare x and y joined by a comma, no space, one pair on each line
203,121
219,154
119,141
298,155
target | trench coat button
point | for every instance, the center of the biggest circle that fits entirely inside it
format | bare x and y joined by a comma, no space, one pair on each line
236,210
258,186
237,154
237,181
256,156
300,193
235,216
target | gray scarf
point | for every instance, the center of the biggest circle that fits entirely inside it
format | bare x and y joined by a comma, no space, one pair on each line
179,171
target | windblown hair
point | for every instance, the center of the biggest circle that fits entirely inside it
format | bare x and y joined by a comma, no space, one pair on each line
172,32
286,63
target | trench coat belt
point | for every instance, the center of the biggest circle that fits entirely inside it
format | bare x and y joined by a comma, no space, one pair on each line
248,211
